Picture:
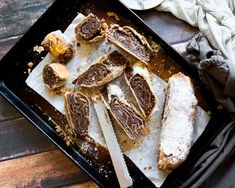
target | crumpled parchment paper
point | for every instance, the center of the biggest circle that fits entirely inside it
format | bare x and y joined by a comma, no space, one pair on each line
143,152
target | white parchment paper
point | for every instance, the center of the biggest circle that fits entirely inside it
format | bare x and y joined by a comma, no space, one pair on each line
143,152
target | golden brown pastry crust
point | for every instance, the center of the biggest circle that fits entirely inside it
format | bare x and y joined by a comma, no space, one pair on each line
128,117
131,41
59,46
77,108
138,79
55,75
103,70
91,29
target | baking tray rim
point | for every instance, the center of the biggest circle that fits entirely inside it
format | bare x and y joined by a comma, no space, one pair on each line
40,123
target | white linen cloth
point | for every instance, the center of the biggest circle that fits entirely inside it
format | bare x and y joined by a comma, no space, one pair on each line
214,18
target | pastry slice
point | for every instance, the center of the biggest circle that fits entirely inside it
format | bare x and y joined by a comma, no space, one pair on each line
124,112
77,112
91,29
131,41
102,71
59,46
177,122
55,75
138,79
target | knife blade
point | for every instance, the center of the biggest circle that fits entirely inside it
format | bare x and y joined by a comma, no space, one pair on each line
116,155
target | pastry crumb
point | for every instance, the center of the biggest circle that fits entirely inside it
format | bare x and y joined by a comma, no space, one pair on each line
38,49
114,15
78,44
30,64
208,113
148,168
58,91
154,46
220,107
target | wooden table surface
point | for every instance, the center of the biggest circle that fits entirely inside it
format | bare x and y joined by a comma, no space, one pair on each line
27,157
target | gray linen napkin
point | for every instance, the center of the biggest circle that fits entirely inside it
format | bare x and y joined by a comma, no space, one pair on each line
207,159
213,151
214,70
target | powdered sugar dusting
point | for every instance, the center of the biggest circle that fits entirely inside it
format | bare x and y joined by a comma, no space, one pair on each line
114,90
177,131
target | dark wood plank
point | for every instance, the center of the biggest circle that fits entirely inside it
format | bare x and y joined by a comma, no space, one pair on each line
18,138
167,26
7,43
18,15
48,169
7,111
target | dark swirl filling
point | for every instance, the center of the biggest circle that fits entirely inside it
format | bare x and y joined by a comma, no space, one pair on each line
131,42
131,121
143,93
94,74
115,59
77,108
50,78
89,28
56,44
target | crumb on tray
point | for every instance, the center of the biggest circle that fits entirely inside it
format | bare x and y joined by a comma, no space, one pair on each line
208,113
148,168
38,49
30,64
154,46
114,15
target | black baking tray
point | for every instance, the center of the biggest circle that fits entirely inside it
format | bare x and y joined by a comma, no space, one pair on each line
13,73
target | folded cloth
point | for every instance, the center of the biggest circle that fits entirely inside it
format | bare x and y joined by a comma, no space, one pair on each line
218,150
215,19
224,175
205,161
214,70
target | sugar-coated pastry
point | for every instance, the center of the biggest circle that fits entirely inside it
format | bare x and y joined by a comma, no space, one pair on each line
177,122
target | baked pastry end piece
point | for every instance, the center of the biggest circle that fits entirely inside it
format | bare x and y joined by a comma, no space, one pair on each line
165,163
91,29
131,41
55,75
177,122
58,45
